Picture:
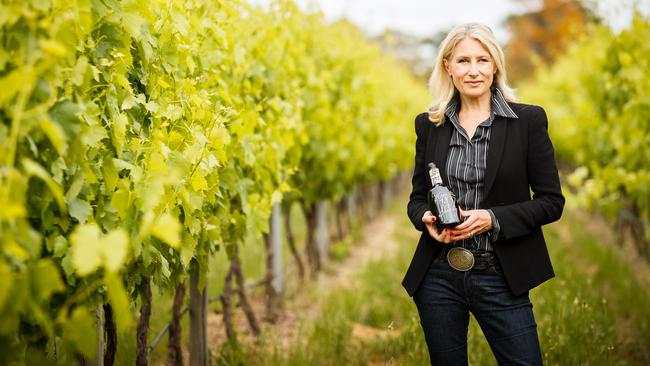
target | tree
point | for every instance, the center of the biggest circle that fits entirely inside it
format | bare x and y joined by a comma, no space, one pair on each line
542,33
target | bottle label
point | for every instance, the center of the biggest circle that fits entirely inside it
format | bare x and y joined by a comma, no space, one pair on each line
434,174
446,208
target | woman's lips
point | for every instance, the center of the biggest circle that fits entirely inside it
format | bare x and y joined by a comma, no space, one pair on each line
473,83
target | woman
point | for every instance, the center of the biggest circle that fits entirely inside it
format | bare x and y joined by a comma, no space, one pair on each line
491,153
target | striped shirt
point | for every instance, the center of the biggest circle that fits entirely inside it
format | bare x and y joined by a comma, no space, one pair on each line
466,164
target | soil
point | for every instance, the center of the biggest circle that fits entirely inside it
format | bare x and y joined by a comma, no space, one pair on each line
299,306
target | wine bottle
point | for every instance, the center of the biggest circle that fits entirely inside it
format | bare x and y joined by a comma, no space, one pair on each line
442,201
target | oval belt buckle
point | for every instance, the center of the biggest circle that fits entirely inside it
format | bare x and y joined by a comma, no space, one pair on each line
460,259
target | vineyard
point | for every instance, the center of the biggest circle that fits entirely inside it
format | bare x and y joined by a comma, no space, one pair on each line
600,105
140,139
155,156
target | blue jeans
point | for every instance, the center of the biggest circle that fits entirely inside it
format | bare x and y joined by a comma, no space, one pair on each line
444,300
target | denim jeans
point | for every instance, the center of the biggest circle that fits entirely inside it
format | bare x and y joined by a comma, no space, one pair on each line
444,300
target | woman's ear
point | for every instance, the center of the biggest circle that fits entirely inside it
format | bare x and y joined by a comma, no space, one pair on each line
446,64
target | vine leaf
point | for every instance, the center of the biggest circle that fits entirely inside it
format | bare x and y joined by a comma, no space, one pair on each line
34,169
79,330
167,229
92,249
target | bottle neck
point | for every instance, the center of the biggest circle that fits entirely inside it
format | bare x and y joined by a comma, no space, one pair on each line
436,179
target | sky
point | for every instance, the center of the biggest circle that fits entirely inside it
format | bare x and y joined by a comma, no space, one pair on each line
428,17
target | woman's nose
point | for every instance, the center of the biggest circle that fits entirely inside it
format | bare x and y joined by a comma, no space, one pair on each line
473,69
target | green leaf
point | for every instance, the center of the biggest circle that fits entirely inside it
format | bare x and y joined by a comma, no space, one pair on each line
79,71
45,280
128,102
187,249
93,135
121,199
66,115
91,249
119,300
198,181
167,229
60,246
68,267
33,168
6,283
11,83
86,249
133,24
151,191
119,132
55,134
79,330
79,209
53,47
110,174
75,187
115,247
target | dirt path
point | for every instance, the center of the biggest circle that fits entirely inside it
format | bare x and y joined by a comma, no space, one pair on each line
623,249
300,305
303,302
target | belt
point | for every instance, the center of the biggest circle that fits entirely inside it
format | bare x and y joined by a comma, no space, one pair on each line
462,259
485,260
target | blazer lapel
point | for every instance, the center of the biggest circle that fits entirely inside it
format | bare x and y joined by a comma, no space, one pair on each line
497,142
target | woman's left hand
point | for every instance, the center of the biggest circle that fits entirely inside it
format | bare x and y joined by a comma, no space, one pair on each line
477,222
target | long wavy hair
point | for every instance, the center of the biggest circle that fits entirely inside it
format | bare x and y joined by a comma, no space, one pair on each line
441,86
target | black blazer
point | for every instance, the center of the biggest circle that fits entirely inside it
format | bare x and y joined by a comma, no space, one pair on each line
520,159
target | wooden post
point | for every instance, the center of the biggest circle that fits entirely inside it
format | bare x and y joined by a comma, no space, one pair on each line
99,327
396,184
352,206
322,239
273,249
276,246
384,186
198,319
338,217
379,196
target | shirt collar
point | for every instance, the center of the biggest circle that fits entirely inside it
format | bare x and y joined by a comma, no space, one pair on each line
500,106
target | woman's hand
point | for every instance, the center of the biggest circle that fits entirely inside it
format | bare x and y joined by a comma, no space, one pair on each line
441,237
477,222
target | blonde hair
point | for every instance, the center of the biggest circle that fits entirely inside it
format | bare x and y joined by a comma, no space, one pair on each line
442,88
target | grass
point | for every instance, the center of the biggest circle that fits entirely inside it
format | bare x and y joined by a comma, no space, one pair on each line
593,313
253,262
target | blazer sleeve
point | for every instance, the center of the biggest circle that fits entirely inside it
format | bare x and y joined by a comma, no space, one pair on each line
417,204
547,203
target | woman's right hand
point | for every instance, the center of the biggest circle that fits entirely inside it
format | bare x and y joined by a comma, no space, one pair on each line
441,237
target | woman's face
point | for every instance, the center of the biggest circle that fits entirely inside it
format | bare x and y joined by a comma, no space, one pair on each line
471,68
